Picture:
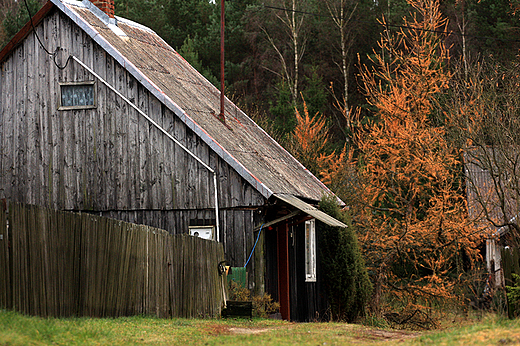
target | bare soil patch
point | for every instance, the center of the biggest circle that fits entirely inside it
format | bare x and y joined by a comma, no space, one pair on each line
250,330
359,332
381,335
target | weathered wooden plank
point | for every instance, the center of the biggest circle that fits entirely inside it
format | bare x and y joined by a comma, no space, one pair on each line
223,184
43,98
133,140
31,120
21,125
167,158
156,149
5,272
120,108
19,254
110,136
2,126
182,133
98,165
144,156
9,119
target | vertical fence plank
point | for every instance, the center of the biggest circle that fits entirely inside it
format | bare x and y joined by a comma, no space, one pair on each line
5,270
21,285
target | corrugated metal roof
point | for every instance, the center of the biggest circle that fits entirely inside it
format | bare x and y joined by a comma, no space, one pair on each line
240,142
309,209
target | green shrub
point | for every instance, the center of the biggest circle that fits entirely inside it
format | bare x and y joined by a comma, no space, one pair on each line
343,270
513,296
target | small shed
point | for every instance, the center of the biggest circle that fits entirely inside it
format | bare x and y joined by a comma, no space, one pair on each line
98,114
492,200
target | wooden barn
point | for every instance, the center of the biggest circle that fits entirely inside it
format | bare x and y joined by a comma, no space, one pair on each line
98,114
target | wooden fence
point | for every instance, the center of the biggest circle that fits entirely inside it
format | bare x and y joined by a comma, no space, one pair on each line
510,264
55,263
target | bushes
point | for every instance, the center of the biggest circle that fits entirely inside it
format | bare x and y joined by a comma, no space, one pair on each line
344,274
513,296
263,305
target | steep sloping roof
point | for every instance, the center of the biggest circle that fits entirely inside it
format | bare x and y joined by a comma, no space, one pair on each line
258,158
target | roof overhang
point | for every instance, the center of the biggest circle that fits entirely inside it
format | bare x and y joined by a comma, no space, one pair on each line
309,209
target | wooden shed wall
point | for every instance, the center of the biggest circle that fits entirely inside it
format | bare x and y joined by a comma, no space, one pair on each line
107,159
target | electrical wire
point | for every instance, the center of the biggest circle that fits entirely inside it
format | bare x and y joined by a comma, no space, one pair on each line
54,55
258,237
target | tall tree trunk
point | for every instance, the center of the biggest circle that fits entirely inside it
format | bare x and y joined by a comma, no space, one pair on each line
294,89
341,18
292,18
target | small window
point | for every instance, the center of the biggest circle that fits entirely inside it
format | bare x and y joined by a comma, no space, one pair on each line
77,95
310,250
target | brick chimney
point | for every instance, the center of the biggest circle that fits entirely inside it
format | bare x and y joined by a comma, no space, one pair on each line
106,6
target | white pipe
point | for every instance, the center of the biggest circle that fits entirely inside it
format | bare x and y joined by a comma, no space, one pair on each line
163,131
216,206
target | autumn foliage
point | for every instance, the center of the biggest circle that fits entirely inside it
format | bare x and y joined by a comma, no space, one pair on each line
310,139
415,233
310,145
404,181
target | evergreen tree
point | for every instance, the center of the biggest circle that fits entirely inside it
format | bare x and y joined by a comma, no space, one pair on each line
343,269
16,17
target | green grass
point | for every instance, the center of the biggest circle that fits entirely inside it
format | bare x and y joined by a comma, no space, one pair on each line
17,329
490,330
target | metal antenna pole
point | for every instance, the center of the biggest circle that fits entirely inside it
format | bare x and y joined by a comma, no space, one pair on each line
222,18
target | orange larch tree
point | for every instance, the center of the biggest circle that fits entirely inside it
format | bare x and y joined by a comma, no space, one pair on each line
309,140
415,233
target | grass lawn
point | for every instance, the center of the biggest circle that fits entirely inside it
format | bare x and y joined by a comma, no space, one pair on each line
16,329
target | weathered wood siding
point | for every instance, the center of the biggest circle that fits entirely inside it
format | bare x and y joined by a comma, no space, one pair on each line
105,159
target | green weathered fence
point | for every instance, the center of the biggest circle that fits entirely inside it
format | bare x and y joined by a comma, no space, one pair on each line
56,263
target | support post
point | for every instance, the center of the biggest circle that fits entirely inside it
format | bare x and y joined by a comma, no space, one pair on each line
283,270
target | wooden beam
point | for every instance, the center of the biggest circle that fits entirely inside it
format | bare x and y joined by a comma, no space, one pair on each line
299,221
275,221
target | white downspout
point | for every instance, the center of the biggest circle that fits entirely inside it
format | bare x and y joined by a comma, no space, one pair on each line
164,132
216,205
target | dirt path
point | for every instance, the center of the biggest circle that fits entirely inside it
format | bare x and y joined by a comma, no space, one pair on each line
356,331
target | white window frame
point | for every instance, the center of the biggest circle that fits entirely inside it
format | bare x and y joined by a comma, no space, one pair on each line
310,250
202,231
65,84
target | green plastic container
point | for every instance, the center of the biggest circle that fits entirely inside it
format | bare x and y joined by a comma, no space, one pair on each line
238,274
